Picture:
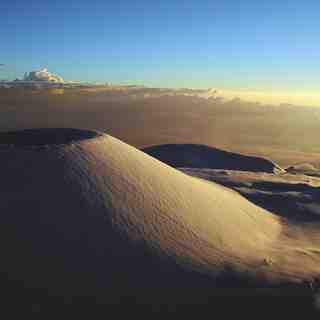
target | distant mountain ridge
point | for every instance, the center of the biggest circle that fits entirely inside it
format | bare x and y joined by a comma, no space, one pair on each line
202,156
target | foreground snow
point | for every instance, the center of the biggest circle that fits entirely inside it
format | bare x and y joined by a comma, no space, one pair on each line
91,211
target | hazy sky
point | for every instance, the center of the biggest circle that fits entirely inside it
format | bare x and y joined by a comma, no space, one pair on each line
231,44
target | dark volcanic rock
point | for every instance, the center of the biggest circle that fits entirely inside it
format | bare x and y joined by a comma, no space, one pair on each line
201,156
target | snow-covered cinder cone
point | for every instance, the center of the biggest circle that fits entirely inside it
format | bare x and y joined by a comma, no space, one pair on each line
83,213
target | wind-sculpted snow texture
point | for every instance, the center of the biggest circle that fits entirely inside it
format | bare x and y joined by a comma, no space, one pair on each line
84,214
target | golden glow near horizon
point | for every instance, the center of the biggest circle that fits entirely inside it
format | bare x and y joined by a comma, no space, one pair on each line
301,98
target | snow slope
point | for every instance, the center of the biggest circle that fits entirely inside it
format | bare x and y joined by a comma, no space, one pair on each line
83,212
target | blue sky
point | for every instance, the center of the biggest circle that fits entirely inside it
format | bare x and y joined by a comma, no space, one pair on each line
230,44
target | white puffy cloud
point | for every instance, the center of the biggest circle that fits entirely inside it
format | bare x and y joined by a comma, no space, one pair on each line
42,75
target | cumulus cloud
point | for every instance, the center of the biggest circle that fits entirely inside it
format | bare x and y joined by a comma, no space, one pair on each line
42,75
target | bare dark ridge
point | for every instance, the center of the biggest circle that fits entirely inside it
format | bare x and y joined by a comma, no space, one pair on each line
44,137
202,156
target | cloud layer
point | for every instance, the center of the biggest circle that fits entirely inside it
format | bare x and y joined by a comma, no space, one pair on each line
44,78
